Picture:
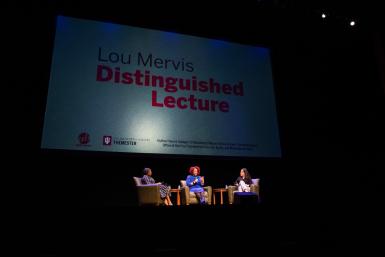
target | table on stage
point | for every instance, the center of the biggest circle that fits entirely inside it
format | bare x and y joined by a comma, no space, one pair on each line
177,191
218,190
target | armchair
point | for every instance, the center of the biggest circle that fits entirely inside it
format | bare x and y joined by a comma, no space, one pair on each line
147,194
188,197
253,188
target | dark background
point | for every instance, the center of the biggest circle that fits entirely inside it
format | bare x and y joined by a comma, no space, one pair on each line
323,197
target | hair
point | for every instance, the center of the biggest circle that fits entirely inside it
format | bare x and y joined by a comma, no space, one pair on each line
247,174
146,171
192,170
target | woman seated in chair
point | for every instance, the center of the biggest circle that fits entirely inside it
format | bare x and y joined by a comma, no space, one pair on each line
164,189
195,182
244,181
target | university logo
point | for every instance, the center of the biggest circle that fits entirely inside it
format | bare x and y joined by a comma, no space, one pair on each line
107,140
84,138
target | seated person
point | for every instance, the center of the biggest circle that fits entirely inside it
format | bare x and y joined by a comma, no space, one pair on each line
244,181
164,189
195,182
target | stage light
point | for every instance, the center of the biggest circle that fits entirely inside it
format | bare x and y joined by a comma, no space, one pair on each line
352,23
323,15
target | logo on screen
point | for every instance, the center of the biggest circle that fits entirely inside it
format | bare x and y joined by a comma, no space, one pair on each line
107,140
84,138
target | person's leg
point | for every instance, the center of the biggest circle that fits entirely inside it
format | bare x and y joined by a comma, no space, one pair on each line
198,196
168,195
202,198
168,200
242,186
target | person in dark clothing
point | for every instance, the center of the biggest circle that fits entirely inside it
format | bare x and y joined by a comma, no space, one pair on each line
164,189
244,181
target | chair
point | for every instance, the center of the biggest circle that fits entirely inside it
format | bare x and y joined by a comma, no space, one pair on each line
253,188
190,197
148,194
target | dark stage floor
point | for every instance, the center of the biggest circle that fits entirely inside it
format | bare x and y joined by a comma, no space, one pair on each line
259,230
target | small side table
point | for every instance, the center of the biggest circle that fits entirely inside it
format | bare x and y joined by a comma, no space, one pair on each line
177,191
218,190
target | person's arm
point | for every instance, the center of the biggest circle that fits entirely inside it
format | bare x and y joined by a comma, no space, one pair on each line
190,181
201,181
152,181
147,180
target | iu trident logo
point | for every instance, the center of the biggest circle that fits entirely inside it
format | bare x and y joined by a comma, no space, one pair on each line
84,138
107,140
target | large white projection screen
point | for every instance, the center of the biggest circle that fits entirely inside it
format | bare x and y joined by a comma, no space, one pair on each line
118,88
